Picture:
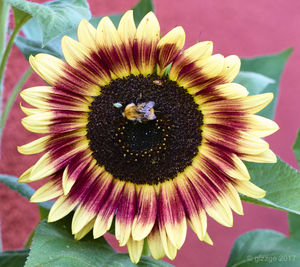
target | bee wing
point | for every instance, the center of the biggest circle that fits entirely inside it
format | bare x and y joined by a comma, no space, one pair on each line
150,104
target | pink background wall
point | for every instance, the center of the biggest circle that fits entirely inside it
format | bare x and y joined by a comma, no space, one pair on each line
245,28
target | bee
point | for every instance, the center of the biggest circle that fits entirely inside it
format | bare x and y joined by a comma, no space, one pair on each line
140,112
158,82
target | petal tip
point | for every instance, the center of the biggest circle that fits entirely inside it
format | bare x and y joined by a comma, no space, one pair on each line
24,180
20,150
34,198
25,176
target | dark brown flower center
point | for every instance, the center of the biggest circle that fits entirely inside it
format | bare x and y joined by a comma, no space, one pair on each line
146,151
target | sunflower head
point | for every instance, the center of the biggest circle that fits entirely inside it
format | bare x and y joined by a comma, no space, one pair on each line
143,131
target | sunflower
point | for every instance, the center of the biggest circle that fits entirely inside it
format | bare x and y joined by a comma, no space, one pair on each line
143,132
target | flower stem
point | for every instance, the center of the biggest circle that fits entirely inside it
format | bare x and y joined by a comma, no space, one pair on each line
13,96
146,251
4,55
4,13
29,240
9,47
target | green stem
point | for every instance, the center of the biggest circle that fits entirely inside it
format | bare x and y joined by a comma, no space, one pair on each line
146,251
7,50
4,13
29,240
9,46
13,96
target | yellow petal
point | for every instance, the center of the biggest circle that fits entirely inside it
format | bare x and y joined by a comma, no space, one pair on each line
135,249
196,216
168,47
147,37
249,189
36,146
127,28
125,214
29,111
227,91
80,57
48,67
216,205
251,104
56,72
207,239
69,179
84,231
105,215
62,207
233,199
231,68
24,177
146,215
169,248
46,165
261,126
204,69
38,123
48,191
155,244
127,31
229,164
174,220
267,156
32,95
211,66
250,123
238,141
111,48
81,218
198,223
199,51
74,52
87,34
220,211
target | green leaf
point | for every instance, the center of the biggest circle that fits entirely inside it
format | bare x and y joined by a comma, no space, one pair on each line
20,17
271,67
294,220
32,47
54,17
54,245
282,183
261,248
122,260
43,213
255,82
23,189
294,226
296,148
31,44
13,258
139,11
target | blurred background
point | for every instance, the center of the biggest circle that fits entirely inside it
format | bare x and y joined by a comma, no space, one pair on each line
245,28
